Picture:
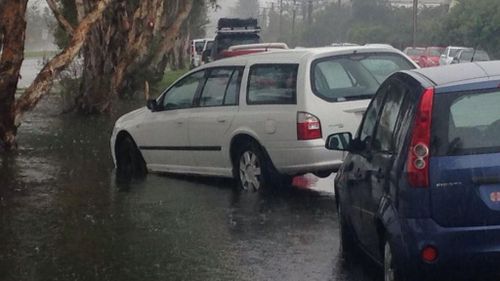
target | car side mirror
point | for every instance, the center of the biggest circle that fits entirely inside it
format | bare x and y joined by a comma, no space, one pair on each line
153,105
339,141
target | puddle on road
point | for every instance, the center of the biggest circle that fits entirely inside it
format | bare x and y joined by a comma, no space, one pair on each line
62,217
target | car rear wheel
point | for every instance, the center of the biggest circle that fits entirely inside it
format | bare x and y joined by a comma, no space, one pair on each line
390,271
130,163
345,235
254,171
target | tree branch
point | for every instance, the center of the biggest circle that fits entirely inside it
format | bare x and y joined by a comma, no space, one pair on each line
44,80
63,22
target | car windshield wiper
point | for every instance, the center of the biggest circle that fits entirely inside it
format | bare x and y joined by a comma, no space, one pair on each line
358,97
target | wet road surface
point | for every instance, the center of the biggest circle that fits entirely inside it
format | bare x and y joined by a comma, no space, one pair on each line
63,217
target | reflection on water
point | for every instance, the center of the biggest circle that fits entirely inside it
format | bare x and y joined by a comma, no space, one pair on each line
62,217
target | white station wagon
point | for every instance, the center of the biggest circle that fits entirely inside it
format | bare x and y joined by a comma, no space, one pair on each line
261,118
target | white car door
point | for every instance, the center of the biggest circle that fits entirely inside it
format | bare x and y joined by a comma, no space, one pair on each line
209,125
163,137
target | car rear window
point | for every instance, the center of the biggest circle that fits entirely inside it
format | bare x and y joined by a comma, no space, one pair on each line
415,52
199,47
466,123
272,84
356,76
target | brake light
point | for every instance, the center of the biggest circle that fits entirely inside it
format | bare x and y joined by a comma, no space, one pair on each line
308,126
429,254
418,155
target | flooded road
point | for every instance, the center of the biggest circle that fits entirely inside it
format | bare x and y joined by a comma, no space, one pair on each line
63,217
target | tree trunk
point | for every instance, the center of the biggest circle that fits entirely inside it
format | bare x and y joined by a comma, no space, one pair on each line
13,28
44,80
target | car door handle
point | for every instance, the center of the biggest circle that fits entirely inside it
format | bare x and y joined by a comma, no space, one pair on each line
221,120
179,122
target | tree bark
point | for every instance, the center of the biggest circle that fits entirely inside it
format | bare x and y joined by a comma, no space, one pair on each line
63,22
13,28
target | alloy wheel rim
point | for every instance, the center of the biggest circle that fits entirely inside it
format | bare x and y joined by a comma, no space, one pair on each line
388,263
250,171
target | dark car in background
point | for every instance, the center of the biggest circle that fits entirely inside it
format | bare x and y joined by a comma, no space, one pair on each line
232,32
470,55
419,191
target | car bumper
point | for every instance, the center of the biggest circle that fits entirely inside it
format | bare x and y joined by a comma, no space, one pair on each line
463,251
302,157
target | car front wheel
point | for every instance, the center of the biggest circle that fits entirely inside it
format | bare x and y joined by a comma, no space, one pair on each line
130,163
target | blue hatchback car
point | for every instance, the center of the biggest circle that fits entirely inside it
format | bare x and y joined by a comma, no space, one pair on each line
419,190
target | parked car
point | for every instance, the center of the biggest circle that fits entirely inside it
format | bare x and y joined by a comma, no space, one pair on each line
470,55
232,32
260,118
419,190
431,56
415,54
449,53
196,51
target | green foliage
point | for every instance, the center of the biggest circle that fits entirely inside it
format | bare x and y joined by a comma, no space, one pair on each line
474,23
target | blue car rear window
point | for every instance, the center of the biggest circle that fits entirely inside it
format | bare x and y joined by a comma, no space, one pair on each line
466,123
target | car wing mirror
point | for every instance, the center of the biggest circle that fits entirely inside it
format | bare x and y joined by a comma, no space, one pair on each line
153,105
339,141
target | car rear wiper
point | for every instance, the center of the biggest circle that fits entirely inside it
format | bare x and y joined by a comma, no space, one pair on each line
359,97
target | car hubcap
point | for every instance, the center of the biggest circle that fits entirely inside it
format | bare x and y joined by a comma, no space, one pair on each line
388,264
250,171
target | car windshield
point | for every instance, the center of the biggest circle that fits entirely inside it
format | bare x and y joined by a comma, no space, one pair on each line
478,56
415,52
466,123
354,76
435,52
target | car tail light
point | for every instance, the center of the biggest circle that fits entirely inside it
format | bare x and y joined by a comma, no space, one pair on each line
418,155
308,126
429,254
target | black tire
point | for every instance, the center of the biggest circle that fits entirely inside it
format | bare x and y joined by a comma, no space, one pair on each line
391,273
254,171
323,174
347,242
130,164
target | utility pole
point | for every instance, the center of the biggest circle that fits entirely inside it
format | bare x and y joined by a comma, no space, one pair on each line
293,20
415,21
310,12
281,16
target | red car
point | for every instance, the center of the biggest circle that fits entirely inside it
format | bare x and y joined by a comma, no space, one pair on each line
415,54
240,50
431,56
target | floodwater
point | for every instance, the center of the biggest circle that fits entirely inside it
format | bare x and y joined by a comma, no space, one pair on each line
63,217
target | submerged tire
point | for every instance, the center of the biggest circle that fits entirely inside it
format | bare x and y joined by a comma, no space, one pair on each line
254,171
390,271
130,164
347,242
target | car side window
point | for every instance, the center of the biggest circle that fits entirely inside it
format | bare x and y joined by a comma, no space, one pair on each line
233,89
371,116
384,138
182,94
272,84
215,87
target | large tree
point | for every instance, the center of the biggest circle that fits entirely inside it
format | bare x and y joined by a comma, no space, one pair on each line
13,28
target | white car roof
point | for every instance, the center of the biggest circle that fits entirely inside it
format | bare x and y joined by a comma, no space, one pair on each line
298,55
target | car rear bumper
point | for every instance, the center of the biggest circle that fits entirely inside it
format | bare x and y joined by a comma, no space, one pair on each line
302,157
463,252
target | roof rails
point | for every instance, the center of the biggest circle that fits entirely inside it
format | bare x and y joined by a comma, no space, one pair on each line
282,46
